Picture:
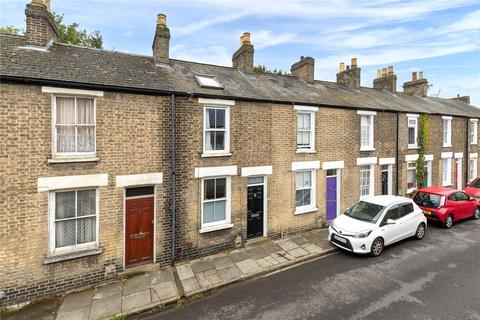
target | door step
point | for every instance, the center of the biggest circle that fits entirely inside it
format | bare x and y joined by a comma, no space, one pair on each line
128,272
256,241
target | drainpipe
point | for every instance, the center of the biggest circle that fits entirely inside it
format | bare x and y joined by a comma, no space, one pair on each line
397,162
173,176
466,156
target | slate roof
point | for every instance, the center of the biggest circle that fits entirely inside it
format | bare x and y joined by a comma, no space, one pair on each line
73,64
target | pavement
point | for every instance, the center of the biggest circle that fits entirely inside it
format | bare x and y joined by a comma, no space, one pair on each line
139,292
435,278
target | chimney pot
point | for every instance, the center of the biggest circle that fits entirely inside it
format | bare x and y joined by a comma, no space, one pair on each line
161,19
414,75
420,75
245,38
384,72
379,73
354,62
342,67
390,70
348,67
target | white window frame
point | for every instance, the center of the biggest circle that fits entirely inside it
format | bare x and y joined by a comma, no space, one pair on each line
447,129
409,167
412,117
226,151
311,147
72,155
52,251
372,180
313,192
217,225
370,115
473,131
472,169
447,178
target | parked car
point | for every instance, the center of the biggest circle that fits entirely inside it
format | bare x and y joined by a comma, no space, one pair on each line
473,189
375,222
446,205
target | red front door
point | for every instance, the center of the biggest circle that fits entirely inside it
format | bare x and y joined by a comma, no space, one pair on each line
138,231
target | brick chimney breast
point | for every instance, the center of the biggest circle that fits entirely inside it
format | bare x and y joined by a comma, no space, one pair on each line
416,86
242,59
350,77
304,69
40,24
386,80
161,41
465,99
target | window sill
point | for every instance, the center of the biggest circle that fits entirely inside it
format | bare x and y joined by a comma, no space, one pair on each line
216,228
411,190
208,155
446,184
412,147
305,151
367,149
305,210
447,145
71,255
73,160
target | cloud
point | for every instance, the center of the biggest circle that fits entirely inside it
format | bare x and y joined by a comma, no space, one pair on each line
469,22
265,38
202,24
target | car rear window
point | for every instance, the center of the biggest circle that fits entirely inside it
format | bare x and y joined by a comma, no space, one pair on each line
427,200
475,183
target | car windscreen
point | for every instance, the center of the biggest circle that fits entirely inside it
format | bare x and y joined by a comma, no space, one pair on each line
428,200
365,211
475,183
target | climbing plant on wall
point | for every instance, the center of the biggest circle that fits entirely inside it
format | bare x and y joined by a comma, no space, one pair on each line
423,140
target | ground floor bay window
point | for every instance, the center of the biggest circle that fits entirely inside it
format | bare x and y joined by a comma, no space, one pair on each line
73,220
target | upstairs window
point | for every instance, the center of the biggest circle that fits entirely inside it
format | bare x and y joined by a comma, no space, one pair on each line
412,131
216,130
74,126
447,132
366,130
473,131
305,131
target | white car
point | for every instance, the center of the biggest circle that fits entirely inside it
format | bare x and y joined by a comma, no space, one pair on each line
375,222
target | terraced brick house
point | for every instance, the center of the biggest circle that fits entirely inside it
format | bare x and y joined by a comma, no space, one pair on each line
110,160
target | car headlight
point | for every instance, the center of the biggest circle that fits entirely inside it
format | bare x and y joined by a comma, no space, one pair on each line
363,234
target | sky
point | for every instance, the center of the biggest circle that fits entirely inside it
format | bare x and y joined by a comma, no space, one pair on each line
439,37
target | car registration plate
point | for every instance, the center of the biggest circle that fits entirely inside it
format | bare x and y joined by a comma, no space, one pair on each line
342,240
427,212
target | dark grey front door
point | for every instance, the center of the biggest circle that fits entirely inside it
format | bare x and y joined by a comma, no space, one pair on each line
255,211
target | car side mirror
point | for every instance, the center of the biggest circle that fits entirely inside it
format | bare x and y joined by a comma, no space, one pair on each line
391,221
472,199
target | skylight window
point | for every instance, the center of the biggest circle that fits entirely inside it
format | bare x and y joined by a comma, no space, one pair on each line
208,81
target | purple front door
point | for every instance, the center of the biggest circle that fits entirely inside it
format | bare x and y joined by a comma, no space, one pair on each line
331,198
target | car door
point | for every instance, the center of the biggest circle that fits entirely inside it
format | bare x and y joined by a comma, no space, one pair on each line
466,206
392,232
454,207
407,220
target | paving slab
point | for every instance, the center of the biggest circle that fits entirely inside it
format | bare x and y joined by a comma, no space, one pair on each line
108,290
184,271
201,265
271,247
230,273
248,266
299,240
298,252
190,284
136,300
161,276
222,262
286,244
78,314
76,301
213,278
44,310
106,307
257,253
239,256
164,291
136,284
313,248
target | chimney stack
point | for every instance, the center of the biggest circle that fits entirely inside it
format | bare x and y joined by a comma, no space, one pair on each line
350,77
465,99
386,80
242,59
304,69
416,86
41,28
161,41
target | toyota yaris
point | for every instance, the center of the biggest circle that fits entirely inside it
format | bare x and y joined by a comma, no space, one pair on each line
375,222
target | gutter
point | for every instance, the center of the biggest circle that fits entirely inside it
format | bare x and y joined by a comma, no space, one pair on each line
173,175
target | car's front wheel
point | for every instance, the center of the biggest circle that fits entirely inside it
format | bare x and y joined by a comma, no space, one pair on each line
377,247
476,214
448,222
420,231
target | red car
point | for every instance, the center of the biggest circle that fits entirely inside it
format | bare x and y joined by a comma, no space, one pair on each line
446,205
473,189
